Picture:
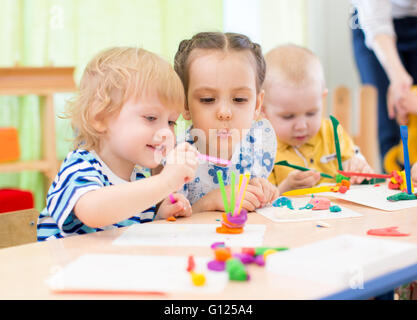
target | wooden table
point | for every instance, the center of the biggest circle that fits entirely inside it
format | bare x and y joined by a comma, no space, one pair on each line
23,269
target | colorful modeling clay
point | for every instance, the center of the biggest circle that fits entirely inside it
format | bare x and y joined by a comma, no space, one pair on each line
217,244
283,202
236,270
198,279
320,203
222,254
335,209
402,196
191,264
244,257
215,265
388,232
233,224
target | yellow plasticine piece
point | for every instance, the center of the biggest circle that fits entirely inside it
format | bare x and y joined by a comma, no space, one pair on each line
268,252
403,185
300,192
198,279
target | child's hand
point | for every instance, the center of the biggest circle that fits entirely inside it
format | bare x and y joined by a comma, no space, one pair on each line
253,198
357,164
299,180
181,208
414,173
270,191
180,166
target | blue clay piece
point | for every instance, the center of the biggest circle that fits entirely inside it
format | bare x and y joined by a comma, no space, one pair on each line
283,202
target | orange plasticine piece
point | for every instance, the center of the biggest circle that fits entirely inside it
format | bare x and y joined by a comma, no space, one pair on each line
222,254
172,218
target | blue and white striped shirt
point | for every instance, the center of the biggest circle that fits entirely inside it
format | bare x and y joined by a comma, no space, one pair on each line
82,171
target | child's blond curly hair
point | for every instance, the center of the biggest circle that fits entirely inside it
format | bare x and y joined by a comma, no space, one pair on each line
113,77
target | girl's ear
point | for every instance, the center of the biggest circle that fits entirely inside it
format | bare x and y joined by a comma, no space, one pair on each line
186,114
259,104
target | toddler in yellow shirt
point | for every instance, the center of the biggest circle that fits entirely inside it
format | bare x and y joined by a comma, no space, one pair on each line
294,93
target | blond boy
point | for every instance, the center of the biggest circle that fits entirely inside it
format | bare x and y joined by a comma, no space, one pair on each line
294,92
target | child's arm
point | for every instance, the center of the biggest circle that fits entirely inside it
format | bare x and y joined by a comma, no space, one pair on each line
357,164
212,201
299,180
112,204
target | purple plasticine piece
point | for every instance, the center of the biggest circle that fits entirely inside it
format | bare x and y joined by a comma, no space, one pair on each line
259,260
217,244
215,265
244,257
232,227
238,219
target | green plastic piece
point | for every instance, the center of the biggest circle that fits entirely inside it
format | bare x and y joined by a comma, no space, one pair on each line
236,270
402,196
335,123
335,209
223,191
261,250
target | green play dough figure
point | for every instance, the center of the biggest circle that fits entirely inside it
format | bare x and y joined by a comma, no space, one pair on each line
402,196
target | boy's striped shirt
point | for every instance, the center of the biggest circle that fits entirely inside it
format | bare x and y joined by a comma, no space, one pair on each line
82,171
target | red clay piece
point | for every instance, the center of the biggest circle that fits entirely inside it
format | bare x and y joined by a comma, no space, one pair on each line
387,232
191,264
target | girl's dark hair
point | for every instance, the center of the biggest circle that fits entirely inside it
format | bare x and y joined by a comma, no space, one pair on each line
218,41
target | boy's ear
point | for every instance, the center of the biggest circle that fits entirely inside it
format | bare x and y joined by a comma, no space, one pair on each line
325,93
259,104
98,123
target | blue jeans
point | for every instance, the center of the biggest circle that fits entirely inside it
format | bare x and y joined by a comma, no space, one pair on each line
371,72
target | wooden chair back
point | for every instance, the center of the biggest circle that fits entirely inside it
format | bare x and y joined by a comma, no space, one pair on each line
365,120
18,227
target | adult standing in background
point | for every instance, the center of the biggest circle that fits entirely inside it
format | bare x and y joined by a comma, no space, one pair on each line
385,50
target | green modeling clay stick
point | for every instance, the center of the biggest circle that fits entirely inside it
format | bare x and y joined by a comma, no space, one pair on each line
335,123
285,163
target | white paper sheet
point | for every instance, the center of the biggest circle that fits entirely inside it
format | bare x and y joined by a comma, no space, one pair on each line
283,214
345,260
135,273
176,234
375,197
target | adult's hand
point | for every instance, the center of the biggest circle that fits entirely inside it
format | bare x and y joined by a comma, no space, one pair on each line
398,89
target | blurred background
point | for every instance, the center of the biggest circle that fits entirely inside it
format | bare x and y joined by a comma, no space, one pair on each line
40,33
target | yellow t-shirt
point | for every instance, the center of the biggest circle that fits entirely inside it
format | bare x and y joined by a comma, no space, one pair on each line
318,153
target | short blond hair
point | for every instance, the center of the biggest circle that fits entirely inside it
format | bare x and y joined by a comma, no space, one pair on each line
110,79
293,65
